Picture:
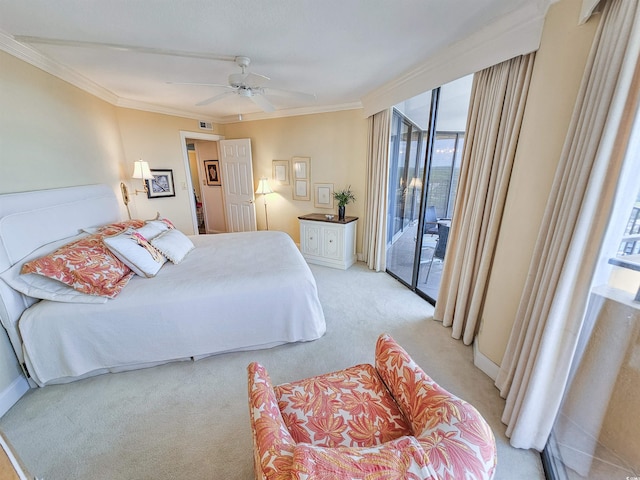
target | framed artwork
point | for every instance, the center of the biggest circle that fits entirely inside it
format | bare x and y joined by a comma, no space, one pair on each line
161,185
323,197
281,172
301,173
212,172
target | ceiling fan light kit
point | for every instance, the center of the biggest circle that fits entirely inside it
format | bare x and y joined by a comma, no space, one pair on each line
250,85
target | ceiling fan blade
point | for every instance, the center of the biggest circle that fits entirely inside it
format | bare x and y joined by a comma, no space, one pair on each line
263,103
123,48
201,84
215,98
308,97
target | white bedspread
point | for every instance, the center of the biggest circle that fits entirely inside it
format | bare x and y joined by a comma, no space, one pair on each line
237,291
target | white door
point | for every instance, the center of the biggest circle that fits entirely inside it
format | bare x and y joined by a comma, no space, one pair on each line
237,182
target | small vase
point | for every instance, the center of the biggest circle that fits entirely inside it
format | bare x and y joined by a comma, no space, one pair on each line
341,212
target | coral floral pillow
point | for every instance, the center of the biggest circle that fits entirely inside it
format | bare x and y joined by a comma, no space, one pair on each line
87,265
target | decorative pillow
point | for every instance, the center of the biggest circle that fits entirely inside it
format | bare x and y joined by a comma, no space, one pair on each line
87,265
135,251
173,244
39,287
152,228
117,227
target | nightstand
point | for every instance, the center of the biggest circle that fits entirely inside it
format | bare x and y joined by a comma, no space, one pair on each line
331,243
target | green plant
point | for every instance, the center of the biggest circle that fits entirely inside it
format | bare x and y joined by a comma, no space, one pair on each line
344,196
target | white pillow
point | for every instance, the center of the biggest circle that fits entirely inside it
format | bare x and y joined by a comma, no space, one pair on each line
173,244
152,228
45,288
133,249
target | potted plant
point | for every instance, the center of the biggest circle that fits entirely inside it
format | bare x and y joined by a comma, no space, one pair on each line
343,197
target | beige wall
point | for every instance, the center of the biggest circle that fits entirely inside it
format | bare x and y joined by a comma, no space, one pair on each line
156,139
53,134
336,144
559,66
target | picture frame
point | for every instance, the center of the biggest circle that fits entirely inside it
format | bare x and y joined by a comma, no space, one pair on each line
281,172
212,172
323,195
301,174
161,185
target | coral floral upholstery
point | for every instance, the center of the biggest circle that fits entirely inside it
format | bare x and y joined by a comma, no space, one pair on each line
86,264
382,423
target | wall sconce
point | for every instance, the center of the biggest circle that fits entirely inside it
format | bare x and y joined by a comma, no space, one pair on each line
141,170
263,189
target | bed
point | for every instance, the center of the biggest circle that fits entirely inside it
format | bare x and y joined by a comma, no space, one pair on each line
237,291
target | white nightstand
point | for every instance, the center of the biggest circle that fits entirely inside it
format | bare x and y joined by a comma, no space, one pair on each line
331,243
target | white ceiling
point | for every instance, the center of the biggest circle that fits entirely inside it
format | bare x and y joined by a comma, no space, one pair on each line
339,50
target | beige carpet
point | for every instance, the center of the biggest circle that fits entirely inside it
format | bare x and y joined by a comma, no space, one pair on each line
189,420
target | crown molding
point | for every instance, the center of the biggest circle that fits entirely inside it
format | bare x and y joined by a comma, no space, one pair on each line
38,60
152,108
513,34
291,112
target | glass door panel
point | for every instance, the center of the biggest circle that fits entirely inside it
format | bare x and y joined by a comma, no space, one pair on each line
404,199
444,162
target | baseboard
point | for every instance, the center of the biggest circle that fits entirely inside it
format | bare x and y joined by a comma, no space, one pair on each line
484,363
14,392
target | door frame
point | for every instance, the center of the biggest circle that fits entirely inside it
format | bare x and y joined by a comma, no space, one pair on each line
184,136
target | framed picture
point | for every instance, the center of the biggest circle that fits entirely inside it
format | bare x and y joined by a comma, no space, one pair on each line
281,172
161,185
301,190
212,172
301,173
323,195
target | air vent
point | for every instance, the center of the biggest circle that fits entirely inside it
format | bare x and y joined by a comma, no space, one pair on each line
205,125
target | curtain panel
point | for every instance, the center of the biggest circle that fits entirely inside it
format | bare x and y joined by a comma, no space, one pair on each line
375,219
498,99
536,365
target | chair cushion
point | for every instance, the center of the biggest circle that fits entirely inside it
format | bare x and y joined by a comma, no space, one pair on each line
350,408
457,440
401,458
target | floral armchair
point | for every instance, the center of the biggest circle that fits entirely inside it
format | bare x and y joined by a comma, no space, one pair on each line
382,423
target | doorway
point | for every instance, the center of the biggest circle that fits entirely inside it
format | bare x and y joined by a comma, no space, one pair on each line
427,138
206,205
225,203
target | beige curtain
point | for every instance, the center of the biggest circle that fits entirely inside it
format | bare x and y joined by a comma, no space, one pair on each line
498,99
375,219
536,364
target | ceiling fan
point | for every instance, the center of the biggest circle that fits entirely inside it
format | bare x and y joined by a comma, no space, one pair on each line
249,85
245,84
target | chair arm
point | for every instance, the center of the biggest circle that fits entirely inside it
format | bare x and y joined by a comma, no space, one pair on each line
457,440
272,442
399,458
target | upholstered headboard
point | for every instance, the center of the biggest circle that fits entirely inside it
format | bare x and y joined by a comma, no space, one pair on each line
29,220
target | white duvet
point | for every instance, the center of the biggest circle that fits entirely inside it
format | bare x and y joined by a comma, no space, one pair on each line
237,291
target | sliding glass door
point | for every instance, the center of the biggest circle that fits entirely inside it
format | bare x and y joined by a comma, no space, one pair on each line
427,137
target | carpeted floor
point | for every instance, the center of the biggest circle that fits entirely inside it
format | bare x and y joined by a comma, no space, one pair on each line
189,420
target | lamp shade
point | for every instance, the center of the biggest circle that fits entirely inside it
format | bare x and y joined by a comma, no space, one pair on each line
141,170
264,187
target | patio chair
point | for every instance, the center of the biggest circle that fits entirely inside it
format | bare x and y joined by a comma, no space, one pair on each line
387,421
441,247
430,221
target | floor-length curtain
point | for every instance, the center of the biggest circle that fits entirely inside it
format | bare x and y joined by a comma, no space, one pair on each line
375,220
539,353
498,99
